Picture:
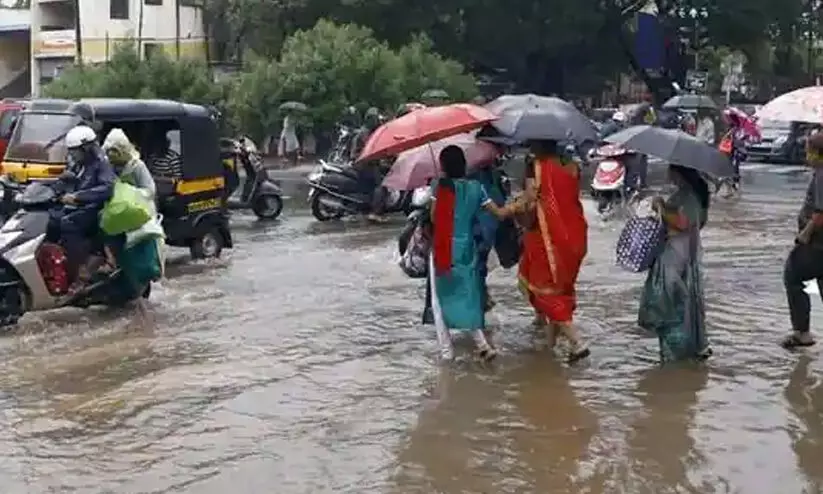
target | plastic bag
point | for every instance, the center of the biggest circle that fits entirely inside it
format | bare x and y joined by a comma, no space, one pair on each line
151,228
414,262
127,210
640,243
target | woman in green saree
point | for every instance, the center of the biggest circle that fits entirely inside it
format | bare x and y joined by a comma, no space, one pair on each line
672,301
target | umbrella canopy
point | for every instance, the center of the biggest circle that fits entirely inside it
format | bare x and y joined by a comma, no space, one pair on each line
422,127
801,105
676,147
416,167
744,121
435,94
690,101
526,117
293,106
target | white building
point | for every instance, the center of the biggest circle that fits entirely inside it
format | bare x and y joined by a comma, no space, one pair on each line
15,50
104,23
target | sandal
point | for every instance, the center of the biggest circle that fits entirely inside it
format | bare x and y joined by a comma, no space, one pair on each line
578,355
794,340
487,353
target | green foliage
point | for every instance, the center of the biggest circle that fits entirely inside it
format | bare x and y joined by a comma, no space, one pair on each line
331,67
126,76
328,67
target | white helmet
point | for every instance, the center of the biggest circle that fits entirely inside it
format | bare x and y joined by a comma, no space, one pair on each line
619,116
80,135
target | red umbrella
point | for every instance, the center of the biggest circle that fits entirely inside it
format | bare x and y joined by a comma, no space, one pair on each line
415,167
422,127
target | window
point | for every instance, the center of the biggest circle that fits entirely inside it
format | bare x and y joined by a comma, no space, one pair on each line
7,120
191,3
153,2
119,9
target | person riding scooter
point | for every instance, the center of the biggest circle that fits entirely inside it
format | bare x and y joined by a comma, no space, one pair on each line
370,173
614,125
86,186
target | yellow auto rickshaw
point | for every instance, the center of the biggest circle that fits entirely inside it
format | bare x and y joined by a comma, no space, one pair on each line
192,198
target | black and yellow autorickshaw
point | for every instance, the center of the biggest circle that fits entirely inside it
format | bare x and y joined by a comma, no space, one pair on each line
191,200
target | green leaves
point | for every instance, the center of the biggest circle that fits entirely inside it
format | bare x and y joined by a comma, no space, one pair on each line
328,67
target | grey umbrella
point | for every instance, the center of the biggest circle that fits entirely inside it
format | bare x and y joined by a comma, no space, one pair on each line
526,117
676,147
690,101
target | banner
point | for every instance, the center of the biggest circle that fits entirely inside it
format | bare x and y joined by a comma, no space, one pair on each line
649,42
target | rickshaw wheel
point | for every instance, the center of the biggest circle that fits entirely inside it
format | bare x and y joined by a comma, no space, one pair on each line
208,244
267,207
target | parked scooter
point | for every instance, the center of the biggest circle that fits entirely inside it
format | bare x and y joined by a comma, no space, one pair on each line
34,273
609,186
260,193
336,190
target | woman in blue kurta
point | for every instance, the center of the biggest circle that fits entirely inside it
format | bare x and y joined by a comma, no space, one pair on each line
457,288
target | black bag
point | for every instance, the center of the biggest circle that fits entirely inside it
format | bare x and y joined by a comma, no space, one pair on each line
507,243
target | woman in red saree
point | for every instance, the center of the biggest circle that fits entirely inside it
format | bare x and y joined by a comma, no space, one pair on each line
554,244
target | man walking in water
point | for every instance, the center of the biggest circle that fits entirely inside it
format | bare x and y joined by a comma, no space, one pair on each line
805,261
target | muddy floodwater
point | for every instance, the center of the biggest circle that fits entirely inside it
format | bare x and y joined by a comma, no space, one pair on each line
296,365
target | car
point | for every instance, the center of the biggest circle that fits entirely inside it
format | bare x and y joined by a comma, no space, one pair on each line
781,142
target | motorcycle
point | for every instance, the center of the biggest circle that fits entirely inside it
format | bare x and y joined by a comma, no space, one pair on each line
260,193
419,216
340,151
33,272
336,190
609,187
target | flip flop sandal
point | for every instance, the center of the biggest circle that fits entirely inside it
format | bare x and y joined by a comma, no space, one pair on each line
578,355
792,341
487,354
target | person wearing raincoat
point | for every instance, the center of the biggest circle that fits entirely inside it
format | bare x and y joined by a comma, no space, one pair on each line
128,166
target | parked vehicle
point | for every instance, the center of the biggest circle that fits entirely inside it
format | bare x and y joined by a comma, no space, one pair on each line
780,142
193,204
259,191
337,190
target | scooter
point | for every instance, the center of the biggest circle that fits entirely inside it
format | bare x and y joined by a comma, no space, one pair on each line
609,187
336,190
260,192
33,272
419,216
342,144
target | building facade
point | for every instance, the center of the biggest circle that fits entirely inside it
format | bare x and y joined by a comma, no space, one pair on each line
159,25
15,50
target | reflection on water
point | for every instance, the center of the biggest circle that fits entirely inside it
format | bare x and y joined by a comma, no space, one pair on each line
296,365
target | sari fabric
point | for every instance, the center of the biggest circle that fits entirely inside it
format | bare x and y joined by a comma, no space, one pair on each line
554,249
672,303
459,290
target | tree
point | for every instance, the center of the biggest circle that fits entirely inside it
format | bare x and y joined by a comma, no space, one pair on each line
127,76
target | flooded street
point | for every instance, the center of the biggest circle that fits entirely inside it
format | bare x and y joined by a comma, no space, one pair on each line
297,365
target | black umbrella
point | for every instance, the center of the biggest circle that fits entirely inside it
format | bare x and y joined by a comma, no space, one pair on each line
676,147
526,117
690,101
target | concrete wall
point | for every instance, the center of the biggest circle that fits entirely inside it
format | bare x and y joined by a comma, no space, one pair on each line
14,59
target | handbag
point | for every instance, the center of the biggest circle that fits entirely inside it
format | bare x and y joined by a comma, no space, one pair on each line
507,244
640,243
415,260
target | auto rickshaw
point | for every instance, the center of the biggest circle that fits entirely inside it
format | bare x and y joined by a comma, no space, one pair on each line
192,202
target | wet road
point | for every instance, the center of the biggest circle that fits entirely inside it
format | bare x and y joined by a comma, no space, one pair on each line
295,365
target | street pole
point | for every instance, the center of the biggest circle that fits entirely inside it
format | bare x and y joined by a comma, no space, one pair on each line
78,34
177,28
696,49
